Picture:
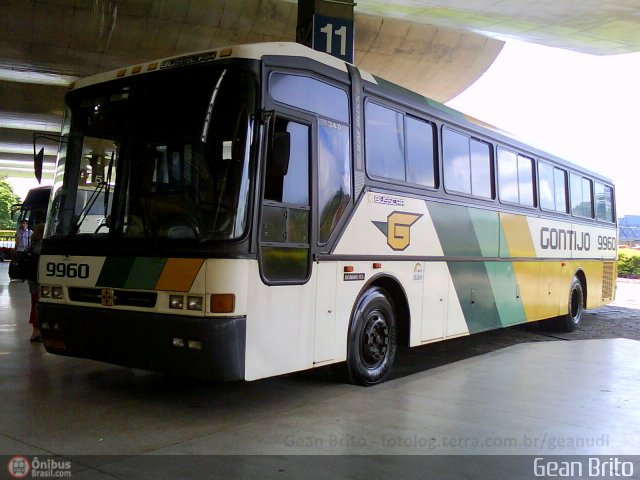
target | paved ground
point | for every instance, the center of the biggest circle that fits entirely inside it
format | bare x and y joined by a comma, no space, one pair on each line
518,391
621,319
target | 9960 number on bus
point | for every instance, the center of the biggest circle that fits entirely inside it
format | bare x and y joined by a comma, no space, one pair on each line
606,243
69,270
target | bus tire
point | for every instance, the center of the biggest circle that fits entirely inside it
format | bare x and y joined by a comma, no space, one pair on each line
570,321
372,340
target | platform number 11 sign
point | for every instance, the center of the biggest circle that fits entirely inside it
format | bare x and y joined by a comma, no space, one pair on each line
333,36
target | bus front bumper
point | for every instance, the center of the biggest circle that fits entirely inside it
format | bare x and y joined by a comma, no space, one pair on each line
202,347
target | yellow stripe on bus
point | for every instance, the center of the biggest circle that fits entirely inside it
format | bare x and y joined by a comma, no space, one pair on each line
178,274
517,235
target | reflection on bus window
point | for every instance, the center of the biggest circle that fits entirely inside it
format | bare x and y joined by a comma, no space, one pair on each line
552,184
467,164
515,178
581,199
334,175
163,156
604,202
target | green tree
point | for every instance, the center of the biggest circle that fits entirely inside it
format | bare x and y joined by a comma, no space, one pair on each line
7,198
628,265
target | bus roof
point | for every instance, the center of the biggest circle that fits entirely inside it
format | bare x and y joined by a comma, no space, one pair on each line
257,51
254,51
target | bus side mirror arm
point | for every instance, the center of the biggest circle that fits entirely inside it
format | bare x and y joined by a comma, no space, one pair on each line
38,158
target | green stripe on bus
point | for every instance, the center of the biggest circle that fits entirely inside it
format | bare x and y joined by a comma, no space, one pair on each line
455,230
504,248
475,295
115,272
486,224
145,273
464,232
505,292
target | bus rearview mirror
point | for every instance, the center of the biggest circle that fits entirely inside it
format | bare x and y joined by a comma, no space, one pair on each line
38,160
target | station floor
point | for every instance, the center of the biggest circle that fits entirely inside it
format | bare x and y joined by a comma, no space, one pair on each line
531,399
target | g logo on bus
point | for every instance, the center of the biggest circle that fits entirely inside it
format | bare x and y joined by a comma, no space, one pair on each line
397,229
107,297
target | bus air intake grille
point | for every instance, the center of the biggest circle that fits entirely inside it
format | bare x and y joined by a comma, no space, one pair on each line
608,270
120,297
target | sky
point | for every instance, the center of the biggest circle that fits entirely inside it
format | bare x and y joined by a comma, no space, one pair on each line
580,107
583,108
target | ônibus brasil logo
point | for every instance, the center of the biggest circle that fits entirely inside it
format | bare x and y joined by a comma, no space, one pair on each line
19,467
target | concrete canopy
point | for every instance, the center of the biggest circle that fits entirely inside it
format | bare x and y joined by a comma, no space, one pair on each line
423,45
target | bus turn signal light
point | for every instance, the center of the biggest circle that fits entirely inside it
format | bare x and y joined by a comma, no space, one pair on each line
223,302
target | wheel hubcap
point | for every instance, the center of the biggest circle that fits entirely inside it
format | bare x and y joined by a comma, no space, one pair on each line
375,339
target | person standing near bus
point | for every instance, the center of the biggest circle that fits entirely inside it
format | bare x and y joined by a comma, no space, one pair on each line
23,239
31,272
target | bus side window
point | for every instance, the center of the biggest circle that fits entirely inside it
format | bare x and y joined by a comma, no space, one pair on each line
334,175
293,187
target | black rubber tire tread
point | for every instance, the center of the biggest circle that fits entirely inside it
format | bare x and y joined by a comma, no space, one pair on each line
570,321
373,311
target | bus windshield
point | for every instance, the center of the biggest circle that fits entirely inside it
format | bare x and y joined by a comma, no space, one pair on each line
163,155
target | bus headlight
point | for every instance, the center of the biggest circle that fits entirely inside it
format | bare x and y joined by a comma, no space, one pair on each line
45,291
176,302
56,292
194,303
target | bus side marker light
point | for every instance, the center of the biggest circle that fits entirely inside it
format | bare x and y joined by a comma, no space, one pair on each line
194,303
348,269
176,302
177,342
377,265
56,292
223,302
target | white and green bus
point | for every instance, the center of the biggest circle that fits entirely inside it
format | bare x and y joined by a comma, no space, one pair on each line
269,209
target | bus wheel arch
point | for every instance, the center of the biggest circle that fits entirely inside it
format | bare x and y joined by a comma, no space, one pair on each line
400,304
375,330
583,281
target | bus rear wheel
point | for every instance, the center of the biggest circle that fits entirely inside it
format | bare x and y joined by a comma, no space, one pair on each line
570,321
372,341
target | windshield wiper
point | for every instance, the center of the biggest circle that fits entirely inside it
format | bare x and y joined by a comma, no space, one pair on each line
94,196
87,207
108,187
207,118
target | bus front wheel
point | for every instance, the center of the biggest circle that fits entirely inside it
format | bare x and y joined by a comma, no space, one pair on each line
372,340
